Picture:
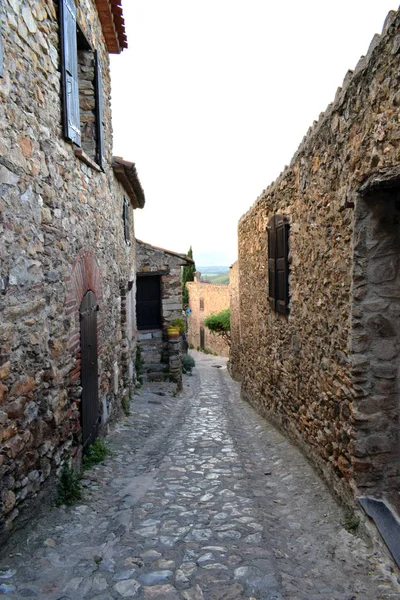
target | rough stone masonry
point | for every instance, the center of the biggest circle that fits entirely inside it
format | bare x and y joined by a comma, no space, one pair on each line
328,370
62,234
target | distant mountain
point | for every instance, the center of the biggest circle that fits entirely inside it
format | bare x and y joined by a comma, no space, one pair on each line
215,270
217,274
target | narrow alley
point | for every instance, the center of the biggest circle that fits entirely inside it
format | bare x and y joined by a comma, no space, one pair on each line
201,499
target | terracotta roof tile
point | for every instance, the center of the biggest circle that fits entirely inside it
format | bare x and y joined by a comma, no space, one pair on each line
113,24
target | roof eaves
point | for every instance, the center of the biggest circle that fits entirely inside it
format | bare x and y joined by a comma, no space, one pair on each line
183,257
113,24
126,174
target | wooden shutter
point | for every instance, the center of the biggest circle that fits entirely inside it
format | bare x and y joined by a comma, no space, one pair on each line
272,263
201,303
101,160
1,53
278,264
282,265
69,71
125,216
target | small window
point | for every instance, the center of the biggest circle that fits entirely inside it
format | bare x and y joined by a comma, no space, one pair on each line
82,88
278,264
1,53
201,303
126,220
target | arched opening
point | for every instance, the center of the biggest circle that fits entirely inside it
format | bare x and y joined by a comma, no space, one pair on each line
90,410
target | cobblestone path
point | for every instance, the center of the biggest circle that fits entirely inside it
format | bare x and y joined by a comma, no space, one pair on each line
202,499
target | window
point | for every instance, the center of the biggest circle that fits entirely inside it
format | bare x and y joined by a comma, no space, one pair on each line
201,303
1,53
126,220
278,263
82,88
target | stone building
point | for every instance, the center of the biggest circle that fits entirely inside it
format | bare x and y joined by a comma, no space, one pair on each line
159,303
67,257
316,335
206,299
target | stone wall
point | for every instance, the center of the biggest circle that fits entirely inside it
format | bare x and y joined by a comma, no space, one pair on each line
206,299
235,354
61,234
168,265
318,372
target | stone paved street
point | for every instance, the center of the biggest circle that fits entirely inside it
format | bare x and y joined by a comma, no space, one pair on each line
202,499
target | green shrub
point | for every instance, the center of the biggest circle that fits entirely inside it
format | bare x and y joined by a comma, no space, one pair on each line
187,363
180,323
351,522
95,454
69,487
191,347
220,324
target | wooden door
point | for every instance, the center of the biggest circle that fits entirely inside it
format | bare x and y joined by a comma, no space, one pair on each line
202,345
90,410
148,302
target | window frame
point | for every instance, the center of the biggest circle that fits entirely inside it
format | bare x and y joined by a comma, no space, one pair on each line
126,221
70,33
278,263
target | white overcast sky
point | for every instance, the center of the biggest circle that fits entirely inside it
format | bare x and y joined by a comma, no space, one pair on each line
213,97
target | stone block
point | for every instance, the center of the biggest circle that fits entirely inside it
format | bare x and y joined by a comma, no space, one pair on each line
23,387
3,393
5,370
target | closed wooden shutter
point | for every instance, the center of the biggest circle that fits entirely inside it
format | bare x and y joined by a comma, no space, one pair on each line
69,71
272,264
1,53
282,265
101,160
278,264
125,216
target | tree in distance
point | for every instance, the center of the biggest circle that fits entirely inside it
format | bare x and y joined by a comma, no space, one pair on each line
187,275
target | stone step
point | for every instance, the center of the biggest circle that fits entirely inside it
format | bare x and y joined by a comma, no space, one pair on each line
154,367
153,376
149,335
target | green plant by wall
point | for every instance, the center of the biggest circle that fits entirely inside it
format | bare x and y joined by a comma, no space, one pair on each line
351,522
188,363
220,324
69,487
187,275
95,454
180,323
139,362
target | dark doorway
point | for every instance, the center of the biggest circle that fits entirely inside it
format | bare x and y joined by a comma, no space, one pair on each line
148,302
90,414
202,346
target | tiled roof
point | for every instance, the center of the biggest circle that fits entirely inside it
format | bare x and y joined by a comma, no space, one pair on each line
126,174
113,24
185,258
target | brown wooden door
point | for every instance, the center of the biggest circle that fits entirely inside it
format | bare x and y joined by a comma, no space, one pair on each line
202,346
90,411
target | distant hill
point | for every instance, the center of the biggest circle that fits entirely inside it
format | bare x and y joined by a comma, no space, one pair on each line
222,279
215,274
214,270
